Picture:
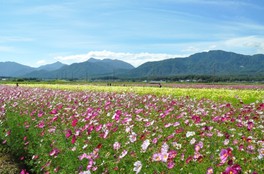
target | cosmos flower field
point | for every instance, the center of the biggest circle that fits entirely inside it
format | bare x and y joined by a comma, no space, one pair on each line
71,129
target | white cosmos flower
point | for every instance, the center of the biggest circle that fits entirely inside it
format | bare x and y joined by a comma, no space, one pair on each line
190,133
137,166
192,141
164,148
145,145
133,137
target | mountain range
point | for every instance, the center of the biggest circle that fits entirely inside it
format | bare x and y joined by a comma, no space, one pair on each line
216,62
13,69
213,63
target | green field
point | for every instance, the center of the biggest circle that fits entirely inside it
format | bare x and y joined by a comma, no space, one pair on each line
216,94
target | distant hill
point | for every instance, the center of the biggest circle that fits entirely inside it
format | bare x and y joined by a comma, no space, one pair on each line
206,63
90,68
13,69
211,63
51,67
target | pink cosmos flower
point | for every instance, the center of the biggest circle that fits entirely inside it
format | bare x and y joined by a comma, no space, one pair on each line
94,168
171,136
52,130
170,164
81,157
74,122
77,132
176,124
250,149
40,114
55,118
105,133
164,156
155,140
35,157
90,164
209,134
54,152
98,128
90,129
210,170
73,139
200,144
24,171
261,106
196,119
116,146
156,157
41,124
147,124
235,142
8,133
126,120
168,125
117,115
224,155
172,154
178,131
197,155
182,156
250,125
68,133
138,111
197,148
189,159
54,111
234,169
123,154
95,153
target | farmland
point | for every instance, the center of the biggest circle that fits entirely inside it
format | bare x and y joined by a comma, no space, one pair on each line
99,129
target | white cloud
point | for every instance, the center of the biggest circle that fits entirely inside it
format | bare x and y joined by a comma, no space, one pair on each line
135,59
250,42
41,62
244,45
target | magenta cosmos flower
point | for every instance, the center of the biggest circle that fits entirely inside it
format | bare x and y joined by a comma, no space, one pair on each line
224,154
234,169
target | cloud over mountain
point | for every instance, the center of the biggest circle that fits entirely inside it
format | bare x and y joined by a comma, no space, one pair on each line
135,59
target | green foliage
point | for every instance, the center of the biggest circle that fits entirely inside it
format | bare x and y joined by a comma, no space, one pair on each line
36,122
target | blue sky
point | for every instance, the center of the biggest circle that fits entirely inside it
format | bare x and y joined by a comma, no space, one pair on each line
37,32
